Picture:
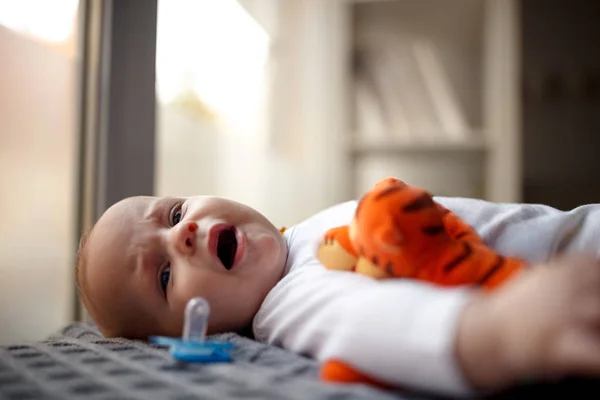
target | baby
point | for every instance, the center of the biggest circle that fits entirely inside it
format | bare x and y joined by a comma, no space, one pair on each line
147,256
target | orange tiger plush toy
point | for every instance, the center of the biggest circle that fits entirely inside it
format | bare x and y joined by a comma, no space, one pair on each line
399,231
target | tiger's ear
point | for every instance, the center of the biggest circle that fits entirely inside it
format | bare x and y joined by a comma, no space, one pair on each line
390,181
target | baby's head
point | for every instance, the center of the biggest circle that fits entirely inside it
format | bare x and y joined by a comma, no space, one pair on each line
147,256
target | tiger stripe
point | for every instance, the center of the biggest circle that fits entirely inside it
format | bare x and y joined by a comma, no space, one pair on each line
389,191
462,235
421,202
389,268
500,260
467,251
433,230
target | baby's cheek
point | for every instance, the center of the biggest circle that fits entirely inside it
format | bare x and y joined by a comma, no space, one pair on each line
188,285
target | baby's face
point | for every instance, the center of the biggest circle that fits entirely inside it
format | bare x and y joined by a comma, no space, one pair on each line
146,257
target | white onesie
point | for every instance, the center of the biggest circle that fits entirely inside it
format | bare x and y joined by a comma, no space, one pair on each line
400,331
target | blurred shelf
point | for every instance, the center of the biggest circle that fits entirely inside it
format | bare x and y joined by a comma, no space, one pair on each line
474,69
370,1
397,146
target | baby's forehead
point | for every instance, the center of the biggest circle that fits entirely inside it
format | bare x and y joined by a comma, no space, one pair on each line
129,210
129,225
129,205
138,206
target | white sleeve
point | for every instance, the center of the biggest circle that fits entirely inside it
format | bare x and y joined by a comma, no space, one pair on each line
533,232
399,332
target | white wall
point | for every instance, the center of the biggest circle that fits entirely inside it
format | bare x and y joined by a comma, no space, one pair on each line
186,153
307,166
37,177
291,162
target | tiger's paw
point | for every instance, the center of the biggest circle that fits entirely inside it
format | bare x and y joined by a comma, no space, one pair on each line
335,251
337,371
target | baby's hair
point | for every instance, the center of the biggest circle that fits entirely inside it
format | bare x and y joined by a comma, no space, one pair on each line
80,262
108,327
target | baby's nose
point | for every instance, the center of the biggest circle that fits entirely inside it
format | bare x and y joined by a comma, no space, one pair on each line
185,237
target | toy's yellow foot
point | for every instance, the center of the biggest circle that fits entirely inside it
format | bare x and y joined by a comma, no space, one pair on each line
333,256
335,251
366,267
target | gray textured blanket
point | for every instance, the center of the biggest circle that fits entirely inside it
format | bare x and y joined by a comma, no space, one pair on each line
79,363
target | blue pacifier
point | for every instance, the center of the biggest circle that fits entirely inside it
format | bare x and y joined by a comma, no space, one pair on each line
193,346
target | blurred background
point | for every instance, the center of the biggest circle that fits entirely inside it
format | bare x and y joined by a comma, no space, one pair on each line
287,105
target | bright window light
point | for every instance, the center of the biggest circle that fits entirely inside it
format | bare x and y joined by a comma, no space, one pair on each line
215,49
50,20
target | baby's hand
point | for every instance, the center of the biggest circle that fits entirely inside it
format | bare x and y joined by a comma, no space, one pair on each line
541,325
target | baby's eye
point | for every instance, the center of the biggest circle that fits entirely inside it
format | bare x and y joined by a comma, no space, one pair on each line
175,215
164,277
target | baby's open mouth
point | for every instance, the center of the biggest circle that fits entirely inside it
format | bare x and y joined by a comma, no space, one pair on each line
227,247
